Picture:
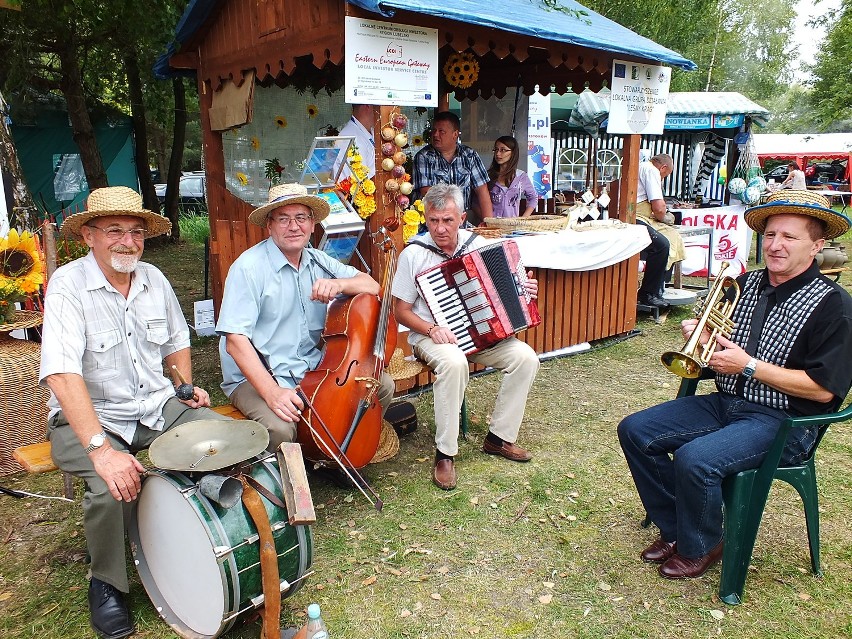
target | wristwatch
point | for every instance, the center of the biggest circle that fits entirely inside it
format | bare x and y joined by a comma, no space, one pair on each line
95,442
750,368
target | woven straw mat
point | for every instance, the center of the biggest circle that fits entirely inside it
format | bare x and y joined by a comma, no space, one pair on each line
531,223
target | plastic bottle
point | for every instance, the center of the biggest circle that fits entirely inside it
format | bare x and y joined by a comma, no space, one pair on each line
316,626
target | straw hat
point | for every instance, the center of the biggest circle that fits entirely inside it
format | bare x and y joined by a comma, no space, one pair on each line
115,200
401,368
798,203
283,194
388,444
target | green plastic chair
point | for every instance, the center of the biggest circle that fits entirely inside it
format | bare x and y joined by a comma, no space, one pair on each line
745,496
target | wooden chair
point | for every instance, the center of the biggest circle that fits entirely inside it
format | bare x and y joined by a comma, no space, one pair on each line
745,495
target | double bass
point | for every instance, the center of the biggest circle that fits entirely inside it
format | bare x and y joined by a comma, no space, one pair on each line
342,419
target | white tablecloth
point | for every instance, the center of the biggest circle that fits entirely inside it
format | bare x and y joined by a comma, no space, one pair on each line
570,250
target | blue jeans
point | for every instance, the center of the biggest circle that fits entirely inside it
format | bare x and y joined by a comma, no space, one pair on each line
680,451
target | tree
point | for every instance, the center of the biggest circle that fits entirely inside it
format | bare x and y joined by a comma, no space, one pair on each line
831,98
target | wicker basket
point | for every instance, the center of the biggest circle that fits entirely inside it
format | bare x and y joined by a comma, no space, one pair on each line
23,403
531,223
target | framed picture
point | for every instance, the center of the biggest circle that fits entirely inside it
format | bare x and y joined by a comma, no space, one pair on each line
325,161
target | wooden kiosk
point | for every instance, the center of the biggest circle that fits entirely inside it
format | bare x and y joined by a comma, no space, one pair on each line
282,42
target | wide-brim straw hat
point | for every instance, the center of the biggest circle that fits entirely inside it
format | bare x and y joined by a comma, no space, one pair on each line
115,200
388,444
401,368
798,203
283,194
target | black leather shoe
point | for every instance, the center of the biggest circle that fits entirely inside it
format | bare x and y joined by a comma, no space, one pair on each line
110,617
649,299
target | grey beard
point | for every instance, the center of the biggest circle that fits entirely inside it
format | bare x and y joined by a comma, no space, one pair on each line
123,262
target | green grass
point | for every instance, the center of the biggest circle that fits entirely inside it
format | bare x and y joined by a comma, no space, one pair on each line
548,548
194,228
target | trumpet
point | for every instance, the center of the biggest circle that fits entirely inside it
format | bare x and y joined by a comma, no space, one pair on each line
714,315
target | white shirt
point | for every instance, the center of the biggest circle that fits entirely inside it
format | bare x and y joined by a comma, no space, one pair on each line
116,345
797,182
366,146
413,260
650,186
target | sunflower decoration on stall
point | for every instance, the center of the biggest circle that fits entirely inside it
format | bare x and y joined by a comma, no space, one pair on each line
358,187
21,272
461,70
312,110
412,218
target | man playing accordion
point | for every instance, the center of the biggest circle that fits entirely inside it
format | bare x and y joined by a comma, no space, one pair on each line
437,345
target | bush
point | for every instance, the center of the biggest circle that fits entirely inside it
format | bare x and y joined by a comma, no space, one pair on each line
194,228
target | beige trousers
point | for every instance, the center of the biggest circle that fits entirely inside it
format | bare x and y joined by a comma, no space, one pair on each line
514,358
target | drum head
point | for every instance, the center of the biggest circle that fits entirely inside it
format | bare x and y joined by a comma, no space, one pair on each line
208,444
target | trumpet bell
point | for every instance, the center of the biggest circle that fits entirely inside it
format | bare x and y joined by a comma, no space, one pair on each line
681,364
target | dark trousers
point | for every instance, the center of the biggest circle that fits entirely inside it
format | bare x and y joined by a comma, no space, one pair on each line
655,255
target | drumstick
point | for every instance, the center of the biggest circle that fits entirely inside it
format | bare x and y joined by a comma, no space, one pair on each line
186,390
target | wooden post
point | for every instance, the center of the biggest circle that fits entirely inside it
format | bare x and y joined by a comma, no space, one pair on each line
629,178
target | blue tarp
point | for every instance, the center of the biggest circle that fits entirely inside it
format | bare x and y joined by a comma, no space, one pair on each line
524,17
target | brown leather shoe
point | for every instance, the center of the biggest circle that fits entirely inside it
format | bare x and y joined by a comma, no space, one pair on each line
444,474
659,551
507,450
680,567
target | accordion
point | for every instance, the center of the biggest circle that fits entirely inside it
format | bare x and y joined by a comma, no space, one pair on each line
480,296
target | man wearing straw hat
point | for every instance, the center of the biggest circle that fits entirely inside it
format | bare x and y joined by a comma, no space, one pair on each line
436,345
110,322
789,354
274,310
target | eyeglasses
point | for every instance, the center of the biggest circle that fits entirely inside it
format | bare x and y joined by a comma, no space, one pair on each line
116,234
300,219
502,150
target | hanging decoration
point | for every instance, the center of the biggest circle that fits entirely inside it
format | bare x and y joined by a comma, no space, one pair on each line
747,182
358,188
461,70
398,184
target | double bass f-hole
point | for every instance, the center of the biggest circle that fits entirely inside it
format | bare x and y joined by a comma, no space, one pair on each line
342,382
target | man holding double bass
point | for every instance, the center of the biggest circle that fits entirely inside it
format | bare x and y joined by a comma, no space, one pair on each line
274,311
788,354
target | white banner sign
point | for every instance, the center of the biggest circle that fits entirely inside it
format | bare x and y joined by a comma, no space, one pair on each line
731,240
539,166
639,96
389,63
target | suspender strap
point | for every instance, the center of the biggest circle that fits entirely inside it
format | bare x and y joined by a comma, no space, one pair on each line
438,251
268,562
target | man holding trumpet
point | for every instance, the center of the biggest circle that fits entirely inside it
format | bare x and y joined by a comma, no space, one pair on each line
788,354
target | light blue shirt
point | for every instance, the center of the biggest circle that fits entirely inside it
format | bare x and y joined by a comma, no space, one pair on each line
269,301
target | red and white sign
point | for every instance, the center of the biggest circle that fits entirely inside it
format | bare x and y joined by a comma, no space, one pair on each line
731,240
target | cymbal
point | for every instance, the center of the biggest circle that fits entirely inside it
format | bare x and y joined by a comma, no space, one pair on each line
208,444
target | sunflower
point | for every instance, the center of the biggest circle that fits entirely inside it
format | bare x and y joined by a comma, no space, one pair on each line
461,70
417,140
20,261
312,110
255,143
242,178
280,121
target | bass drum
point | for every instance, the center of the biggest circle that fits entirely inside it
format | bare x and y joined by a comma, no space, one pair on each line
199,562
